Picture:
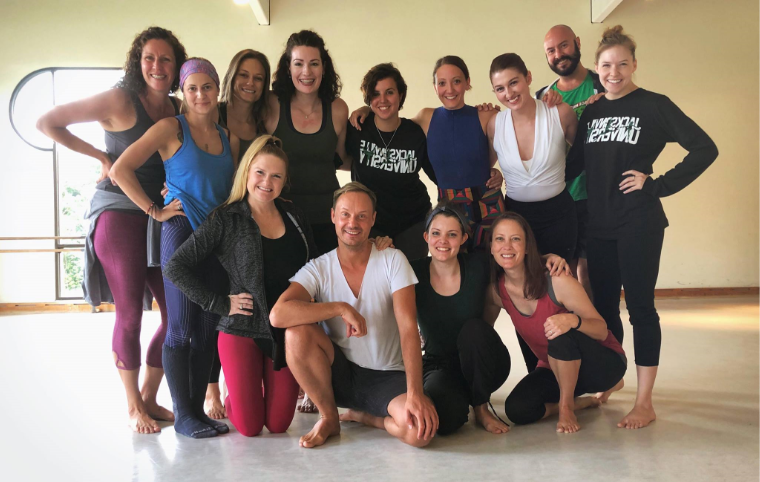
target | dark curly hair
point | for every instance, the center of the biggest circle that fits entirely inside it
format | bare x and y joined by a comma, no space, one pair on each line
258,112
283,87
380,72
133,77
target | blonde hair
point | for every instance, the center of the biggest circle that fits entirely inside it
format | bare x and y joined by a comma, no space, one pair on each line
262,145
614,36
355,186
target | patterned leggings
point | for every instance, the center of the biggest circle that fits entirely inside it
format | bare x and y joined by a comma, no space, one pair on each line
480,206
189,325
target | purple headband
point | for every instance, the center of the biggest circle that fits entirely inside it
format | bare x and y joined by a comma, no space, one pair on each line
197,66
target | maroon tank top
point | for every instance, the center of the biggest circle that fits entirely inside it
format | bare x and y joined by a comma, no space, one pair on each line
531,328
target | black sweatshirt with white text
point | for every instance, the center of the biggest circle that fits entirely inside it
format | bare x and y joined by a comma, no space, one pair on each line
615,136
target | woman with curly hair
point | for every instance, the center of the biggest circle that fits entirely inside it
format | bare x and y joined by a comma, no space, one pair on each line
387,157
199,158
457,146
116,254
310,118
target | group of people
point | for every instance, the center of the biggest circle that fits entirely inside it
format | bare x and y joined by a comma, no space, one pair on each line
229,213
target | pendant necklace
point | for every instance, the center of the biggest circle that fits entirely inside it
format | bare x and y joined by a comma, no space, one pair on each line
383,140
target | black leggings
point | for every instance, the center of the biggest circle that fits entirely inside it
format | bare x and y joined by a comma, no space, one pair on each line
632,262
453,385
553,222
324,237
409,241
216,368
601,368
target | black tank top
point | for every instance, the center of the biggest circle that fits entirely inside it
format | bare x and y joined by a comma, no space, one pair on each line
312,164
150,175
244,144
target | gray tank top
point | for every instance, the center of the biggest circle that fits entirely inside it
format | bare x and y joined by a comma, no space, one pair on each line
312,164
150,175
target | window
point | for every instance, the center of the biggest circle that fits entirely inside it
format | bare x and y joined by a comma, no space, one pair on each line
75,174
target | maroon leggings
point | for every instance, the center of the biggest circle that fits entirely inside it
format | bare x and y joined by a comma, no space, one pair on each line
250,404
120,244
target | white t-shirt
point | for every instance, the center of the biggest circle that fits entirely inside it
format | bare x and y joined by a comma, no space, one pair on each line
387,272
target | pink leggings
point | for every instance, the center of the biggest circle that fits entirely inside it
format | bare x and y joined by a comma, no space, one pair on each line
250,404
120,244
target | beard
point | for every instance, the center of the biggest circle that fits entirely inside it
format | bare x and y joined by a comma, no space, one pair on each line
574,59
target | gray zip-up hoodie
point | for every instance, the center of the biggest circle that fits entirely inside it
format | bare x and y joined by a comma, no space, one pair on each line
233,236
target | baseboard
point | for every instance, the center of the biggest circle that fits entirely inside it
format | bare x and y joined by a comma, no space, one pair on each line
81,307
700,292
57,307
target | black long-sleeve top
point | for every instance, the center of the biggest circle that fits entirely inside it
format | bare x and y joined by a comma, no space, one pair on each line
615,136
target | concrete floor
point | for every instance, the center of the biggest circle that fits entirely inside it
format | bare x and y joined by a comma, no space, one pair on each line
65,417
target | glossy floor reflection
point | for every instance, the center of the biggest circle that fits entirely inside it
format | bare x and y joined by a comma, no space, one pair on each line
64,415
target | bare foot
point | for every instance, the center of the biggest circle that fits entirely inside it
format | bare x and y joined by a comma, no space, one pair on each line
363,418
214,408
639,417
318,435
488,421
351,416
604,396
157,412
307,406
567,422
141,422
212,405
582,403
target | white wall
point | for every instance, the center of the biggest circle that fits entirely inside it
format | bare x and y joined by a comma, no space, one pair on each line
702,53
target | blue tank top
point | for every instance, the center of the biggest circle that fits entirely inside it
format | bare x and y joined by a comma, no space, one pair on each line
458,148
201,181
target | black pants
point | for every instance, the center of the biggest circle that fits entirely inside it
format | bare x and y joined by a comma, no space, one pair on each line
632,262
409,241
455,384
553,222
601,368
216,368
324,237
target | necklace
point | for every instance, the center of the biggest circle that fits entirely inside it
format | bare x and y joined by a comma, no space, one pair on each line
386,146
305,115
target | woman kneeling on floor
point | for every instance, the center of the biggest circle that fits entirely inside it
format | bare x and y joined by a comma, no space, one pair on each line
261,241
577,353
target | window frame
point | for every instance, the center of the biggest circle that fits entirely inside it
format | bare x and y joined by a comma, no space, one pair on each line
59,243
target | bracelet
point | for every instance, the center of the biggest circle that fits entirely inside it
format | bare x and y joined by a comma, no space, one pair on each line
580,321
149,208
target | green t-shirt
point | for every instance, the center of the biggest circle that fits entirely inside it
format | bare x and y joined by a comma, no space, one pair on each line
576,99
